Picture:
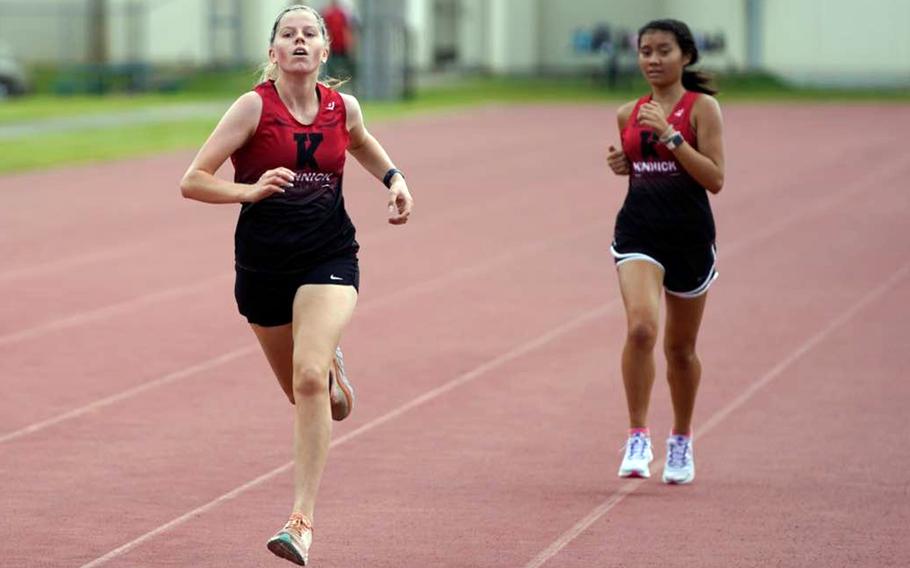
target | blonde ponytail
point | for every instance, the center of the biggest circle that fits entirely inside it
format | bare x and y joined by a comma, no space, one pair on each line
268,72
333,82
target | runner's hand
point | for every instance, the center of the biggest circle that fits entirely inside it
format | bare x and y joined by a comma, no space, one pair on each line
617,161
400,202
651,115
271,182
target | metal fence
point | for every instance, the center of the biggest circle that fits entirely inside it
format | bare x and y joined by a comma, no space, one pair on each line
385,59
98,46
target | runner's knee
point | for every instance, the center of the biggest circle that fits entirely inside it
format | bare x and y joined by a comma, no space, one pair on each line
642,332
680,354
310,379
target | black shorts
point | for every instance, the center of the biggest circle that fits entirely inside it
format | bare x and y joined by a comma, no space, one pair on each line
688,272
267,299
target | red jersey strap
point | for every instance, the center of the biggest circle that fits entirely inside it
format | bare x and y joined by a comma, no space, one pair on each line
641,145
330,101
679,117
280,140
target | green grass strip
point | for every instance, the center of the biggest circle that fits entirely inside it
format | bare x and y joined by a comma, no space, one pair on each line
89,146
45,150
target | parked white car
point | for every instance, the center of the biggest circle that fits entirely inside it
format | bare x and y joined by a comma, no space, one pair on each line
13,81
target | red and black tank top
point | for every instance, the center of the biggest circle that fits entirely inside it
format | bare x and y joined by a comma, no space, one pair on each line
291,231
665,205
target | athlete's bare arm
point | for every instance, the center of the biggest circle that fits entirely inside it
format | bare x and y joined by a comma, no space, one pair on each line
616,159
373,157
705,165
709,126
237,125
623,113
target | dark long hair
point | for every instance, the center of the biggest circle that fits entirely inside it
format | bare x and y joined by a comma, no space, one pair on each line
697,81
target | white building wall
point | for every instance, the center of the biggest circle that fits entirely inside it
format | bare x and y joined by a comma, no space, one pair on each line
45,31
259,17
558,21
418,16
711,16
522,36
516,37
174,32
844,42
838,41
475,33
179,30
499,57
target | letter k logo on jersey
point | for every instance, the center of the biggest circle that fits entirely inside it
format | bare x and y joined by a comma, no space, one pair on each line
306,149
330,106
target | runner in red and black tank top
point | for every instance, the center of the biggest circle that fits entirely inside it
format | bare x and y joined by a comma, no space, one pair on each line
664,207
672,151
290,231
297,271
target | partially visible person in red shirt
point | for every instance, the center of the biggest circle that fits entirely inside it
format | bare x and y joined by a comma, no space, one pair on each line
340,25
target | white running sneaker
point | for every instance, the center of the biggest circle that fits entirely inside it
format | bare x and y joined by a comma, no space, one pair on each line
341,392
637,456
680,466
294,540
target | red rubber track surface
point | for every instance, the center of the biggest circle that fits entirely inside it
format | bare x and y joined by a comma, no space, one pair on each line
140,424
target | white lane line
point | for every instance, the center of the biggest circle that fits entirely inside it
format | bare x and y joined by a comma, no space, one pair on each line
629,487
195,233
89,316
109,253
130,393
126,306
494,262
724,251
877,178
418,288
733,249
68,262
515,353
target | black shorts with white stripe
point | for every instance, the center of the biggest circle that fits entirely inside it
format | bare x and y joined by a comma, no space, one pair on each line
688,272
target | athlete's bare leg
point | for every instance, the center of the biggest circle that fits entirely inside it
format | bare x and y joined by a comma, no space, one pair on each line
321,312
301,354
641,283
684,317
278,345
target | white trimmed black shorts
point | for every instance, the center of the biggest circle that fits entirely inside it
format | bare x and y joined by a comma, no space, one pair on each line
688,273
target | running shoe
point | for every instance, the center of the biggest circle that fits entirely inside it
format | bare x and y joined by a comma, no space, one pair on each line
294,540
341,392
680,466
637,456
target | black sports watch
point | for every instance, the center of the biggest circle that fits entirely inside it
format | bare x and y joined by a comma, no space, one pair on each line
387,179
674,141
